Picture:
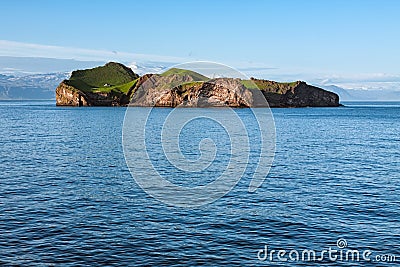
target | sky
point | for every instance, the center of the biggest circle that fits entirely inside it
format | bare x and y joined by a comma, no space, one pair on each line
353,43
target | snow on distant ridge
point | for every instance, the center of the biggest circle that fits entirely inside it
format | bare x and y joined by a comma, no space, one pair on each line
142,68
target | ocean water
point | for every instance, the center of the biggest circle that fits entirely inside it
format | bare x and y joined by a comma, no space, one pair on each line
67,197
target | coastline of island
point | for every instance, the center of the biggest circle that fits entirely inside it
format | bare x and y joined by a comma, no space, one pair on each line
117,85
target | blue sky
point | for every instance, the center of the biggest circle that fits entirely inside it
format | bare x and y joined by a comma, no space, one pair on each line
351,40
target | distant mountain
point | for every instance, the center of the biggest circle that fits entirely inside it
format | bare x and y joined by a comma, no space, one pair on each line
142,68
363,95
35,78
35,86
343,94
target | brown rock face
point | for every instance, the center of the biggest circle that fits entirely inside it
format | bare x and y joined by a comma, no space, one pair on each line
223,92
302,95
175,90
69,96
156,90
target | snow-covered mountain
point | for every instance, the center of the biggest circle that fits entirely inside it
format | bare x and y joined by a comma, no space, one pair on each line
34,86
363,94
149,67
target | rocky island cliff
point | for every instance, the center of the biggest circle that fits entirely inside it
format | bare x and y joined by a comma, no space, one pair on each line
116,85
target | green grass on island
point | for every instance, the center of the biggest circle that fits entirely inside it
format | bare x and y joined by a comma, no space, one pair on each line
196,76
123,88
270,86
112,77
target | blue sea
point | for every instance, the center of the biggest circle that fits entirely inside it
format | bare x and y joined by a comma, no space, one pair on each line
67,197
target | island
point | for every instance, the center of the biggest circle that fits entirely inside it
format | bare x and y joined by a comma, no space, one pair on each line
117,85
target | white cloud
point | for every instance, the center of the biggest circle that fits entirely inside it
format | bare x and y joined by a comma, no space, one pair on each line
362,77
19,49
389,86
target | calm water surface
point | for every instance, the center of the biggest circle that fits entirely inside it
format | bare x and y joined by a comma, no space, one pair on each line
67,197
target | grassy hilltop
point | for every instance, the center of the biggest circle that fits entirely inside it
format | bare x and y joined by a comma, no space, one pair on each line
181,72
112,77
